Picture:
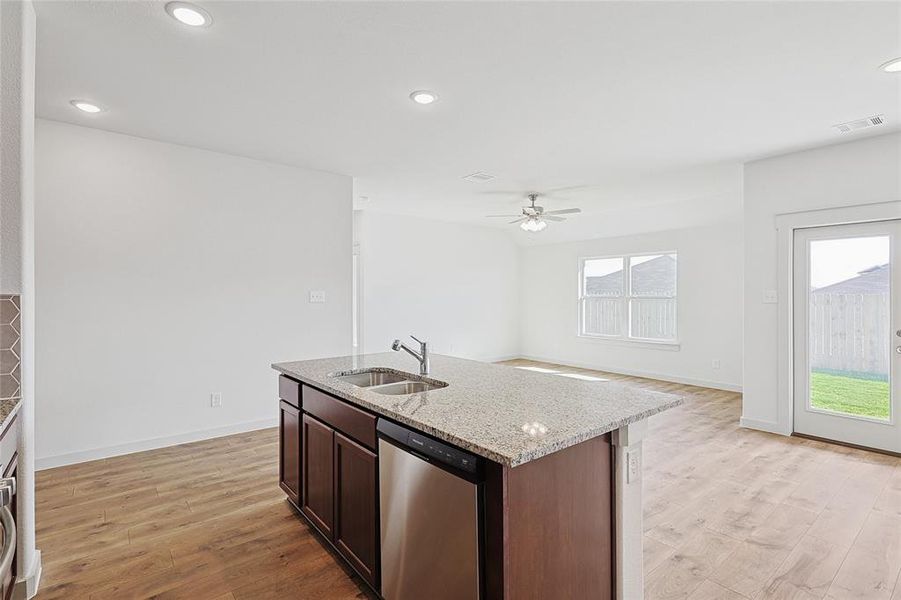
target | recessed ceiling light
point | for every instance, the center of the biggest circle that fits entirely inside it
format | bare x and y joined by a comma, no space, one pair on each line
423,97
892,66
189,14
85,106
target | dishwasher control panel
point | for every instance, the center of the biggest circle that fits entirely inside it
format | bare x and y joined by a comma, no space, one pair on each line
442,452
429,448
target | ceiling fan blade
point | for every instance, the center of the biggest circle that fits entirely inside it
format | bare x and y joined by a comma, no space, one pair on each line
564,211
518,220
552,218
570,187
505,193
505,216
555,198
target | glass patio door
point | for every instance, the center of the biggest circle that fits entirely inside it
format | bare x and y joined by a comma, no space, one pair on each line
847,334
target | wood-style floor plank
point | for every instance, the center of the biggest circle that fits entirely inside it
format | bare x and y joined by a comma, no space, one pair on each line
735,514
730,514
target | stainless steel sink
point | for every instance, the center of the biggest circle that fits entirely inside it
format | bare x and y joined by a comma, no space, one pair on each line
390,382
371,378
405,387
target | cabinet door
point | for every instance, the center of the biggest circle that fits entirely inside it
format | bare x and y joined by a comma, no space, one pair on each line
289,451
317,473
355,506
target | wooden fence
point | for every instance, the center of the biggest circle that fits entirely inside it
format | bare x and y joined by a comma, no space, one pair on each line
850,333
651,318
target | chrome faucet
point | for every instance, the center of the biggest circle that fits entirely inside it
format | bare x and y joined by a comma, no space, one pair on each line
422,356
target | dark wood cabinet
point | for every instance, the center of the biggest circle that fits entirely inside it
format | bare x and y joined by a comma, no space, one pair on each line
550,526
329,470
289,391
352,421
318,493
547,527
289,451
356,533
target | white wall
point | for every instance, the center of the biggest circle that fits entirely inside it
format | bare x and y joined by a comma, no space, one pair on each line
165,273
17,92
861,172
709,307
455,285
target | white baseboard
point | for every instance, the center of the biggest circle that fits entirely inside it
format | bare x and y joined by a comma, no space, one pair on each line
48,462
27,587
716,385
761,425
495,359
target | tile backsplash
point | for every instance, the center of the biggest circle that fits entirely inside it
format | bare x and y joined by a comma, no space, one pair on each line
10,346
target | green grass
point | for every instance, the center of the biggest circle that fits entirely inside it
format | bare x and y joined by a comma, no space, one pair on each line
850,395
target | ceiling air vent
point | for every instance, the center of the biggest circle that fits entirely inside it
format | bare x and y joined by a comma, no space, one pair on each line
479,177
860,124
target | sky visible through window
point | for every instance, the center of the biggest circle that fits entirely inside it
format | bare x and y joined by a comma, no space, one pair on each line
598,267
832,261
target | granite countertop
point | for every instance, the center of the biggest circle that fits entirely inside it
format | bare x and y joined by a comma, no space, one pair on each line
508,415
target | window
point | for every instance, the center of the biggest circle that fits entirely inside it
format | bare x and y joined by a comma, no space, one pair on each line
628,297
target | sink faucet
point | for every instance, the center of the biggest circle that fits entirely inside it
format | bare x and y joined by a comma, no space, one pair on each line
422,356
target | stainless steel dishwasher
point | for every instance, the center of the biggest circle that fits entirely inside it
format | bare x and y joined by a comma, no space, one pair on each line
430,497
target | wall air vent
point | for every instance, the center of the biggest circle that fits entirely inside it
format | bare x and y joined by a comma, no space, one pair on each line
860,124
479,177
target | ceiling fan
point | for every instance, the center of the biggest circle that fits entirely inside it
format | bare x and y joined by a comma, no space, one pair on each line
534,218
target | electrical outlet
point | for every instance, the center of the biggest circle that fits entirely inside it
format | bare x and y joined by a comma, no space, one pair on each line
715,363
633,466
216,400
317,296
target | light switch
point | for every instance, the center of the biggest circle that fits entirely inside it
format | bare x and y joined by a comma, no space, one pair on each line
770,297
317,296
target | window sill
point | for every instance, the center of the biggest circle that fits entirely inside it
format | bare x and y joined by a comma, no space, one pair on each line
670,346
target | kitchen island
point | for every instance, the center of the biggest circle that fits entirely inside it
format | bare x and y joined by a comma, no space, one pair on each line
559,470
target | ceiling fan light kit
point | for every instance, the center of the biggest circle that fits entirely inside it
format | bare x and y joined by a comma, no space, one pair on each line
534,218
533,225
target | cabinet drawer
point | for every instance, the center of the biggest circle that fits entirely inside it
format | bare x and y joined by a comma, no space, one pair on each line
289,390
354,422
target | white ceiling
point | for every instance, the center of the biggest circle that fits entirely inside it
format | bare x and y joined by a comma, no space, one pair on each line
646,104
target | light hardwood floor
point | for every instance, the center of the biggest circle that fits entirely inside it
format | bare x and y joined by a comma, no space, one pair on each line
202,521
729,514
733,514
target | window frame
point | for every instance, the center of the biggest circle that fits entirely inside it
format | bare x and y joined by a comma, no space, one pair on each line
626,303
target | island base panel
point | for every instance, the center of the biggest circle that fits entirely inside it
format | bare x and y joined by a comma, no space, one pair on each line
550,526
